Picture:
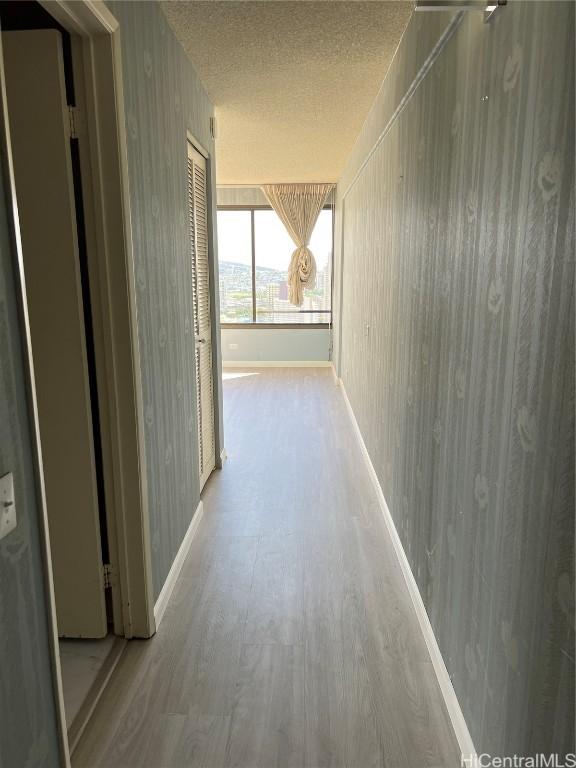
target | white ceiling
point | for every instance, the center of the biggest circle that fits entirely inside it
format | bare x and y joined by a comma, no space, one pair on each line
292,82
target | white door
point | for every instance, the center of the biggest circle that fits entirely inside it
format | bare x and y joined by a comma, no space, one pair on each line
40,134
198,226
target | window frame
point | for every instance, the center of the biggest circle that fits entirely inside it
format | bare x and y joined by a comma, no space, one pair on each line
281,326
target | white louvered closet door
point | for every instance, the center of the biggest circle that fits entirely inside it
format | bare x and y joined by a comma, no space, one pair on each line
198,227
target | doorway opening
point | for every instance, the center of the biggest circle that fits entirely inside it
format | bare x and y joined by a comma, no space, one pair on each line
42,63
68,185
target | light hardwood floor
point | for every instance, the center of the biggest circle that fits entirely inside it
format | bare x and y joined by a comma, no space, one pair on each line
290,638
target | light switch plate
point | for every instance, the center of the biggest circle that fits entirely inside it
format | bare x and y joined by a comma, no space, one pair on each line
7,505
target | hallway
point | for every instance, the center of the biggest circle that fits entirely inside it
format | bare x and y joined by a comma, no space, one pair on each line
290,638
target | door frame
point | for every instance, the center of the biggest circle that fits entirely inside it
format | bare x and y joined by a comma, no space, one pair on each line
133,597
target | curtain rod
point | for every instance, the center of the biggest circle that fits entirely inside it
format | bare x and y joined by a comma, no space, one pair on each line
265,183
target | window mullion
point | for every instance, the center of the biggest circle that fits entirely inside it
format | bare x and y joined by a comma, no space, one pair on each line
253,268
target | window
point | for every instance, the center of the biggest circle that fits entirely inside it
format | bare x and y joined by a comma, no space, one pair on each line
235,263
254,252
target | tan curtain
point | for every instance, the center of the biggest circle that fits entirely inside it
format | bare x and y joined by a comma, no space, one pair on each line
298,206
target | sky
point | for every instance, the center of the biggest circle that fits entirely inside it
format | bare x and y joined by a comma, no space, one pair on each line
273,244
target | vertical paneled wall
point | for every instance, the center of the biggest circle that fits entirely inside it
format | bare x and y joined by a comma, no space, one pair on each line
28,731
457,351
163,100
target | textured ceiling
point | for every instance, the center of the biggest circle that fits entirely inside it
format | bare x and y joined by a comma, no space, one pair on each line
292,82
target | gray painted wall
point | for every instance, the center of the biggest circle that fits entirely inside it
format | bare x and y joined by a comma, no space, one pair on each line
271,344
241,196
164,99
28,731
457,351
246,196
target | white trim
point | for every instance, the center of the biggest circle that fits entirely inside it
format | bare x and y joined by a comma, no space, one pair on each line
134,528
171,579
89,17
98,32
198,147
276,363
450,699
106,143
335,374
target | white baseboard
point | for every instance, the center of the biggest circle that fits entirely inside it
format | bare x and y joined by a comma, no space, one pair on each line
450,699
335,374
276,363
174,572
